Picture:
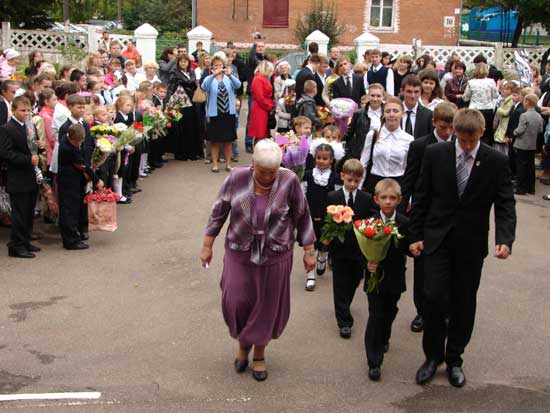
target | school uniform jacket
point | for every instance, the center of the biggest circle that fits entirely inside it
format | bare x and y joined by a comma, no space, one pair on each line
3,112
339,89
362,207
303,75
87,146
437,209
423,124
15,151
395,263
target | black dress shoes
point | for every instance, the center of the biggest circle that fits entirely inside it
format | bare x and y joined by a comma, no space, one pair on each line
240,365
259,375
77,246
20,254
417,325
426,371
84,236
456,376
375,373
33,248
345,332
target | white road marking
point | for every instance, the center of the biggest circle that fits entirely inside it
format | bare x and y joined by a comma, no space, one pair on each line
50,396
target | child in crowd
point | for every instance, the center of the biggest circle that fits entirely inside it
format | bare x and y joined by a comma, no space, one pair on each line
503,113
114,66
74,172
347,260
159,94
317,183
364,101
529,127
332,134
375,107
127,178
77,107
286,107
118,86
383,301
47,100
302,127
130,70
307,107
88,115
111,110
106,171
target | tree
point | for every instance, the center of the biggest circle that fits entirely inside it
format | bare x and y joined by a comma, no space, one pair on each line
26,14
321,17
164,15
529,12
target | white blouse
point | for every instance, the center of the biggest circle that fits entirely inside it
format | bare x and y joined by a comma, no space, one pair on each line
375,117
432,104
390,152
482,94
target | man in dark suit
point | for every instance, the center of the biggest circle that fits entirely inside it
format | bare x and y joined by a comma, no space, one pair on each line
347,260
8,89
348,85
21,185
443,130
417,120
459,184
307,73
321,80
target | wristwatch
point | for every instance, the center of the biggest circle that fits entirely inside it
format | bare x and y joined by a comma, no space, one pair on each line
310,252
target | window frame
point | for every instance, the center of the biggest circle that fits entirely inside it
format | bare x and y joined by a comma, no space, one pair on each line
394,8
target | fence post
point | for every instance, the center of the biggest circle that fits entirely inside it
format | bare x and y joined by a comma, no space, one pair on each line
321,39
499,55
199,34
92,39
146,41
6,35
364,42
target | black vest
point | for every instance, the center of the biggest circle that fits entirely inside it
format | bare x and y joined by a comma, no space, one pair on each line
379,77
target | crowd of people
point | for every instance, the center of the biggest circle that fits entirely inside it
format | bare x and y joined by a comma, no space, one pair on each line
391,168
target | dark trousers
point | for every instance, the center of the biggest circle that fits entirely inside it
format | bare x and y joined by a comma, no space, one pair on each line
22,211
73,216
418,286
382,312
247,139
512,158
488,135
449,273
346,276
525,165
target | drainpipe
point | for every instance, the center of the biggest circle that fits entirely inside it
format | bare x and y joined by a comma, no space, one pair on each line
193,13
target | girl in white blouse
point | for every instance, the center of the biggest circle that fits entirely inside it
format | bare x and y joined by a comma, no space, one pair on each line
385,152
432,94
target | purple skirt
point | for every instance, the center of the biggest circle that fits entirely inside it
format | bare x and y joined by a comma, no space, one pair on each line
255,298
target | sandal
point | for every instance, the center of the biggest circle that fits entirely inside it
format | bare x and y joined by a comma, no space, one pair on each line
259,375
241,365
229,168
310,284
215,169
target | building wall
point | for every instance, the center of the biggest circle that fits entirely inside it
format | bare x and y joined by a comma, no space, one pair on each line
420,19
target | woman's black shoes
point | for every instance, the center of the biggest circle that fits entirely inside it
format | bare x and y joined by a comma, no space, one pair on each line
259,375
375,373
241,365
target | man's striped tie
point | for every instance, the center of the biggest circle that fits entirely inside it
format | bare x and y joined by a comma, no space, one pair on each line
462,173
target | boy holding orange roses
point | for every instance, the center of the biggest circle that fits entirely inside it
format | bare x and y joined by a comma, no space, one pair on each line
348,263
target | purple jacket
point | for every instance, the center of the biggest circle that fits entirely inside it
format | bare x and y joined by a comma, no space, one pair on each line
286,210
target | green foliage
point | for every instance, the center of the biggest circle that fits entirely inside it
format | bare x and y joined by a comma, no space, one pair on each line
72,53
321,17
26,14
164,15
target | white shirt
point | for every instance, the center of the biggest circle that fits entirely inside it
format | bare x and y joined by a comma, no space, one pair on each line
346,195
390,152
17,120
432,104
133,82
390,88
471,159
375,117
413,117
60,115
439,140
385,218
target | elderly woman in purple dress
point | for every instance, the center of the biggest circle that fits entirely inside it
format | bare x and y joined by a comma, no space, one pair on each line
267,205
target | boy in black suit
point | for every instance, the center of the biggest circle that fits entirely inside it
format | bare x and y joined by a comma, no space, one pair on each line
513,123
307,73
443,116
21,184
72,177
348,85
383,301
417,120
459,183
348,262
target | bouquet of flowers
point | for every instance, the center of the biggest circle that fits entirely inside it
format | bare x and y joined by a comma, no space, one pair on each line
33,147
337,223
99,131
131,136
337,147
103,148
102,210
324,114
374,237
342,109
155,123
295,151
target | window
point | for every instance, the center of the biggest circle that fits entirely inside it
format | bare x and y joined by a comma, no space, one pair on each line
275,13
381,14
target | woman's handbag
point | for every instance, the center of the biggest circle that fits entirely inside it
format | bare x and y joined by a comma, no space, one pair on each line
199,96
271,121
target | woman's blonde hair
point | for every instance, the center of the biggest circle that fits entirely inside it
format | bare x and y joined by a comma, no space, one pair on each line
202,60
481,70
265,68
150,63
90,59
217,58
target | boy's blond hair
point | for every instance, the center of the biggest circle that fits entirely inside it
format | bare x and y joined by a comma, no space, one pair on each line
310,87
531,99
332,130
353,167
359,69
469,121
387,184
377,86
445,111
300,121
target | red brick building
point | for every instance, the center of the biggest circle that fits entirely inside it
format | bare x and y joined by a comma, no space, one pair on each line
435,22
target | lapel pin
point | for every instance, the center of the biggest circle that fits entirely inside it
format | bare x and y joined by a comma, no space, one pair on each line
478,163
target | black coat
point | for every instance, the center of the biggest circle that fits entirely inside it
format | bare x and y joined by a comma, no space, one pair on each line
254,60
513,122
303,75
87,146
438,211
14,150
320,86
177,78
394,266
357,132
423,124
363,207
339,89
3,112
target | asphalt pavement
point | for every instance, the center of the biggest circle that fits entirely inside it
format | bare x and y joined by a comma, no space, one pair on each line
137,319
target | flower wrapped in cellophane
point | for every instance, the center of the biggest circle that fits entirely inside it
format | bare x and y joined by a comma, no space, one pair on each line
155,123
295,151
342,110
324,114
103,148
131,136
102,210
337,223
374,237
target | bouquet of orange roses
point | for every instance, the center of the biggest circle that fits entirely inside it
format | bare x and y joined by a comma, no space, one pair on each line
374,237
337,223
